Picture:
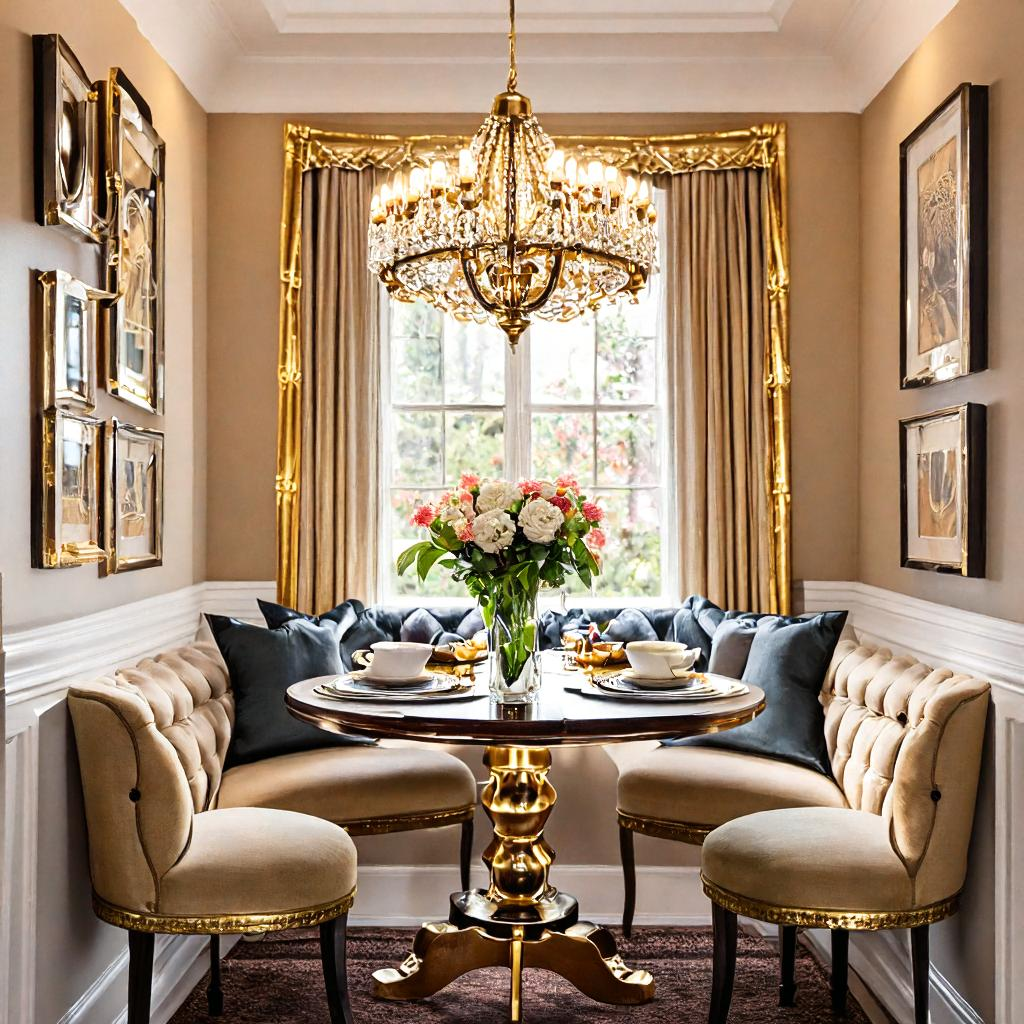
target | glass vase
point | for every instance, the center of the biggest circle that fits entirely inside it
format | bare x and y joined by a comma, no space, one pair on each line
514,644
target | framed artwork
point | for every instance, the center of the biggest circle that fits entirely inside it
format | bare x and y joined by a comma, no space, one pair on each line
133,520
70,184
68,516
942,491
944,242
69,319
135,257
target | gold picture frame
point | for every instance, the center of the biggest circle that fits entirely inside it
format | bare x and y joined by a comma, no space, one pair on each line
135,248
133,509
69,319
942,490
67,520
70,187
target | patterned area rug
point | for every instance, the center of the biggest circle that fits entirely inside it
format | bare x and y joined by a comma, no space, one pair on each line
278,981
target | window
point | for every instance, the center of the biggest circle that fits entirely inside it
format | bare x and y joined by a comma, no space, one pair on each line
583,397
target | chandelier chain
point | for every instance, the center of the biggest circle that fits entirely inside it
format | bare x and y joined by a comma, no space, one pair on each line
513,76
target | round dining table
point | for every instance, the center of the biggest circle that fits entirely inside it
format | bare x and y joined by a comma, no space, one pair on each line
521,919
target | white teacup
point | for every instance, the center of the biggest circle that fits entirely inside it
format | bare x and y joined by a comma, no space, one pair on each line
660,659
394,661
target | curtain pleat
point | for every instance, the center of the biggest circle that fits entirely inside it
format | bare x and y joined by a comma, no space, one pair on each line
339,477
717,332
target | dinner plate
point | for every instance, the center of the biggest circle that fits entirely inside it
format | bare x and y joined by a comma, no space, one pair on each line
437,688
682,681
616,686
363,675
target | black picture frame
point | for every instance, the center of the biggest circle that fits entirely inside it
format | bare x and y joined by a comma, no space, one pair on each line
971,477
969,352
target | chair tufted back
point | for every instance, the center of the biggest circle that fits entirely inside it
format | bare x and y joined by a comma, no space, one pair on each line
905,742
151,745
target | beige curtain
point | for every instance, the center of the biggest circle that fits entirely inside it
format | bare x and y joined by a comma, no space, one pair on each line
338,492
717,330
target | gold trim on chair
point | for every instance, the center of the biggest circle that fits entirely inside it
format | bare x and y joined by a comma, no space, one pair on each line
761,146
220,924
408,822
680,831
808,917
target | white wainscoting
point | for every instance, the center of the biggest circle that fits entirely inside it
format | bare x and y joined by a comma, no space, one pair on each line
41,662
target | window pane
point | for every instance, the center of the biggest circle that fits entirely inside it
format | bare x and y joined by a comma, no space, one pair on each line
625,358
474,364
416,449
403,533
631,559
563,442
627,448
415,353
474,443
563,361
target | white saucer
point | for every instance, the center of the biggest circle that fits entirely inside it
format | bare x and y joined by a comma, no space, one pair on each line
684,679
365,676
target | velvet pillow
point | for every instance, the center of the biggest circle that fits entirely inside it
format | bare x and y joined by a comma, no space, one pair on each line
262,664
420,628
730,646
788,660
346,614
695,624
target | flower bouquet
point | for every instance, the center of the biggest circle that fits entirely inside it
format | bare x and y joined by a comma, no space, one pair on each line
505,541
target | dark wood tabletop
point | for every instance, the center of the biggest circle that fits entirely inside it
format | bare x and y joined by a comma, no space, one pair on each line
557,717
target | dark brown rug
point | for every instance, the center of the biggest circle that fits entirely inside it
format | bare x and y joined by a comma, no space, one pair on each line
278,981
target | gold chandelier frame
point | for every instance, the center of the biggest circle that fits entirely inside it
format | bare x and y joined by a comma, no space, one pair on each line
760,147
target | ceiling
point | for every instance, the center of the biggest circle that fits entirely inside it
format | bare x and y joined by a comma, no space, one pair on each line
317,56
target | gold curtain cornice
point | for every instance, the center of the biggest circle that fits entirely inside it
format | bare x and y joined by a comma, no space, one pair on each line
760,146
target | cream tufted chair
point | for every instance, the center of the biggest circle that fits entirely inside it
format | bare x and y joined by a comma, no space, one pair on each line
151,741
905,744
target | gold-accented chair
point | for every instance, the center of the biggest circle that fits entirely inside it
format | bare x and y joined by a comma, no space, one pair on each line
161,864
905,742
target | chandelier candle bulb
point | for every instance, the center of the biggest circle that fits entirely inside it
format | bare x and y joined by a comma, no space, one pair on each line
416,180
467,167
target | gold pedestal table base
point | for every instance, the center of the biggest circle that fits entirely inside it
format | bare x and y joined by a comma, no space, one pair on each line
520,920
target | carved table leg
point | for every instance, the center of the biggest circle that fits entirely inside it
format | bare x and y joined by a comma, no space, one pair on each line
520,920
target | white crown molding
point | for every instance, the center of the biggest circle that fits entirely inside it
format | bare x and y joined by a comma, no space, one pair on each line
738,56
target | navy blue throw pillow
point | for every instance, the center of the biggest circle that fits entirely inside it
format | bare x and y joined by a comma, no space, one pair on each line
262,664
420,628
695,624
788,659
346,614
628,625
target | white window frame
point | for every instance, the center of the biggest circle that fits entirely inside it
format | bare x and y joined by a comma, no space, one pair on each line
518,414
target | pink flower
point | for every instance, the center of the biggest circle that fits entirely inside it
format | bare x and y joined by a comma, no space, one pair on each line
596,538
568,483
529,486
592,512
465,498
423,516
465,533
469,480
561,502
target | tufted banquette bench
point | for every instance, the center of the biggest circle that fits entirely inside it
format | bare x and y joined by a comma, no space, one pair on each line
185,695
904,743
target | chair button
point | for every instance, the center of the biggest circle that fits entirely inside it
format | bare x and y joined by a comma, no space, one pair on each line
936,796
134,795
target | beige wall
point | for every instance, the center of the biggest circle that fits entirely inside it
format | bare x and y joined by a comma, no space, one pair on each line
979,41
245,162
102,34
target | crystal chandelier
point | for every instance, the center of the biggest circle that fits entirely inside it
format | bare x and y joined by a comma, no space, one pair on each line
516,228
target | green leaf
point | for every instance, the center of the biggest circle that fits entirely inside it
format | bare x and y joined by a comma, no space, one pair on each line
409,555
426,559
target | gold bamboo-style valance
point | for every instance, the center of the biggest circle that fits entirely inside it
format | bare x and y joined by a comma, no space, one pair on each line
759,147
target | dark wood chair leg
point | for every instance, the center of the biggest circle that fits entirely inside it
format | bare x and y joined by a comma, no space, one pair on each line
332,954
919,952
724,965
140,976
787,965
214,993
465,853
840,969
628,879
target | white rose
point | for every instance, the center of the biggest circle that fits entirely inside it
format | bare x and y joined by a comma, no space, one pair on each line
547,489
493,530
541,521
497,494
449,513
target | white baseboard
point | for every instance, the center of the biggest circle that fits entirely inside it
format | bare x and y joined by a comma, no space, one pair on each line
403,896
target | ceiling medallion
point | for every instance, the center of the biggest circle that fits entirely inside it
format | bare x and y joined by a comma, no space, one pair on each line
517,228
